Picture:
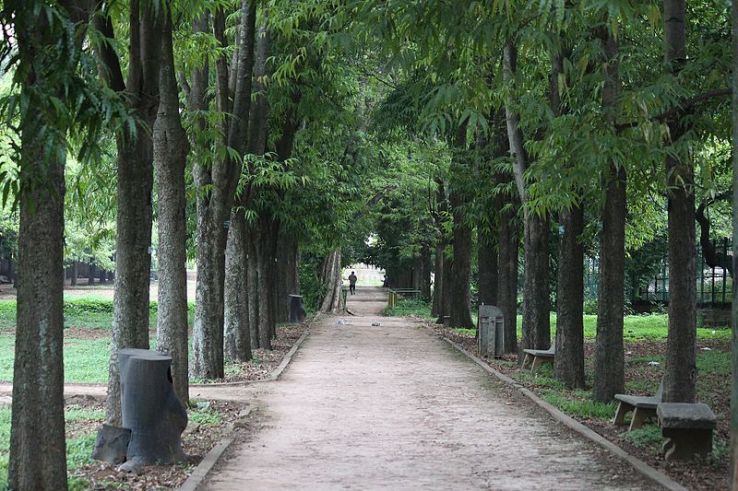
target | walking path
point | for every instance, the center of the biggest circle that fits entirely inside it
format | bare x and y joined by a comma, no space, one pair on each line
372,402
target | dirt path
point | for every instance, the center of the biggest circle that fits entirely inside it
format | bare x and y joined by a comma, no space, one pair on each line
390,406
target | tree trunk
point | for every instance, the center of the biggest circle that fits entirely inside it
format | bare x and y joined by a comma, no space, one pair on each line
237,328
252,280
680,373
244,258
91,272
487,252
437,308
214,204
332,280
459,293
424,273
507,287
536,303
569,360
170,155
609,377
265,254
37,446
286,273
734,316
135,182
75,271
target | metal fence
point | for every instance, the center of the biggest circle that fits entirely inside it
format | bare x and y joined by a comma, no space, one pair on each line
714,284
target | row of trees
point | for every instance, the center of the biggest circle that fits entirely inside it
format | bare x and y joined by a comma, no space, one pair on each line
237,125
587,120
254,129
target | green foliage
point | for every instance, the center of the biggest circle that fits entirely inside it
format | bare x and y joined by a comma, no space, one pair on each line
206,416
648,436
580,404
79,450
408,307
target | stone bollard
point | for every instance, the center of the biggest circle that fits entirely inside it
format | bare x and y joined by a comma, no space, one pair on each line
297,311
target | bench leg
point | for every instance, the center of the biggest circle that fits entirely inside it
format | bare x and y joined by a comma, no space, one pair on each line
684,444
640,415
620,413
526,360
536,363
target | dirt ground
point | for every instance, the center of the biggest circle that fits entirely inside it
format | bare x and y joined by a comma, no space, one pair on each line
381,403
227,399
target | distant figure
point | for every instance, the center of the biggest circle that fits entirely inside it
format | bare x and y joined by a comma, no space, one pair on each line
385,284
352,283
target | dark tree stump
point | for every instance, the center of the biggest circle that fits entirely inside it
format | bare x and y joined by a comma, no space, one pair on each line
112,444
150,408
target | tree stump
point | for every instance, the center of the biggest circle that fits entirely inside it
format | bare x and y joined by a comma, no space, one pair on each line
112,444
150,408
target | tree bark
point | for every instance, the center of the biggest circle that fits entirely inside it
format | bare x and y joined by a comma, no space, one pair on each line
75,271
237,327
215,202
536,302
487,254
507,288
37,458
91,272
734,314
252,280
170,155
135,182
243,238
569,360
680,374
332,281
437,307
609,376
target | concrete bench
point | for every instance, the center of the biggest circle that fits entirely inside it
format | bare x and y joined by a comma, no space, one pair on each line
687,428
537,357
643,408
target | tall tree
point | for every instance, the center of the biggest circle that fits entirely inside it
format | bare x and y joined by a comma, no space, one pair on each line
536,302
680,375
734,316
170,157
135,181
53,100
569,361
217,184
609,376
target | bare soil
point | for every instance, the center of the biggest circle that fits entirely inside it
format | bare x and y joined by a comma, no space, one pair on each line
714,390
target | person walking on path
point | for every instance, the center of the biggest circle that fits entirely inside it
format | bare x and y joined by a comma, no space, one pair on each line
352,283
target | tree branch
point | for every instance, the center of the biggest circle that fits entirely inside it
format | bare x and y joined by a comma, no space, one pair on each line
682,109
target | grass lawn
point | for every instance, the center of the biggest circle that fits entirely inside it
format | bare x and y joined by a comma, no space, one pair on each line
79,449
86,340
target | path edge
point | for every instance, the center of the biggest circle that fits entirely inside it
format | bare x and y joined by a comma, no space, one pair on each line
198,475
642,467
277,372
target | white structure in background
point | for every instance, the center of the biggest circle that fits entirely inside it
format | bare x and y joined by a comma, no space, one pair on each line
366,274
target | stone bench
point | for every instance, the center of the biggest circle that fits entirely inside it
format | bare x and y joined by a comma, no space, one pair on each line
687,428
643,408
537,357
